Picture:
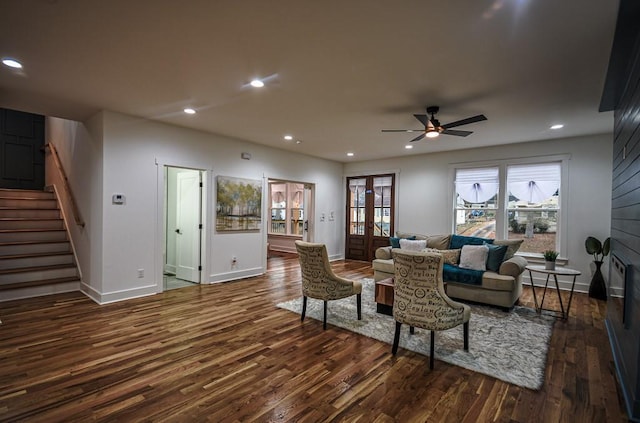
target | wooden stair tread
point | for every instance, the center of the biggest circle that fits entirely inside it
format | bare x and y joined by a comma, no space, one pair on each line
11,219
34,255
32,230
18,285
32,242
24,190
37,268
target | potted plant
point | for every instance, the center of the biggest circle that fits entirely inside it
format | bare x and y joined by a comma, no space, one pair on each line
550,257
599,250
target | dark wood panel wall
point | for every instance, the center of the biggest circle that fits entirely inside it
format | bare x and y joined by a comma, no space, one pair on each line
623,96
21,150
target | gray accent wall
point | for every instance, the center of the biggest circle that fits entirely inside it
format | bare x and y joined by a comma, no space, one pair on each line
622,93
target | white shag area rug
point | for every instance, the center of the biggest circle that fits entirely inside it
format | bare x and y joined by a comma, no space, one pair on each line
510,346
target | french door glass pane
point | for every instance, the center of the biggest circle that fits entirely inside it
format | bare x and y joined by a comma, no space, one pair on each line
381,204
357,188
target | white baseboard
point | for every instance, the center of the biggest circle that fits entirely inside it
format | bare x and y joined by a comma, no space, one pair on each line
231,276
115,296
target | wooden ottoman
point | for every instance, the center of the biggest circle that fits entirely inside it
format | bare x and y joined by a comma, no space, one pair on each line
384,296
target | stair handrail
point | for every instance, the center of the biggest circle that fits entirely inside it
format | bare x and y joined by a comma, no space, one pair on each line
74,206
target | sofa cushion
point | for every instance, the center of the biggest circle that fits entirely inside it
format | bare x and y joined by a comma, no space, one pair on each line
495,257
457,241
457,274
474,257
441,242
395,241
512,246
497,282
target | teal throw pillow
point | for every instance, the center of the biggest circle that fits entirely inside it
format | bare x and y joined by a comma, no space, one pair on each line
496,256
457,241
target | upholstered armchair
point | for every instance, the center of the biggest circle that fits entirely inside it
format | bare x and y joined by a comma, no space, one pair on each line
319,281
420,300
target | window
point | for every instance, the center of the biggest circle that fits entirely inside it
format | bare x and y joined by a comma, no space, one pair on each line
287,204
511,200
476,201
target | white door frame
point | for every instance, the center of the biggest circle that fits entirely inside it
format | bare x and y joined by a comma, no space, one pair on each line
161,208
188,238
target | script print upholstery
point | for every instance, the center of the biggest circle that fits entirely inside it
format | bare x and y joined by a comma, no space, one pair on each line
319,281
420,300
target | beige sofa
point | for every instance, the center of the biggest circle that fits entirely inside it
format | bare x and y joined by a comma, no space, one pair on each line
502,288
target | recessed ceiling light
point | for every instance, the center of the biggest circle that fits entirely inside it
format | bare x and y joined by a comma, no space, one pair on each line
190,111
288,137
557,126
408,147
12,63
256,83
298,142
350,154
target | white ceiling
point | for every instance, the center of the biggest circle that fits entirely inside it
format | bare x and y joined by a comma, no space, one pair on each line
338,71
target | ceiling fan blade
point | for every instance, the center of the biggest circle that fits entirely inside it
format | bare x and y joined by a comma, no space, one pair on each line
402,130
419,137
422,118
457,133
466,121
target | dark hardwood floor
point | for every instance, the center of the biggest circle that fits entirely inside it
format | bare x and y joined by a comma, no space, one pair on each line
224,352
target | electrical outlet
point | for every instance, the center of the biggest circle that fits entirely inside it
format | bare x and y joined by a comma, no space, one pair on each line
141,273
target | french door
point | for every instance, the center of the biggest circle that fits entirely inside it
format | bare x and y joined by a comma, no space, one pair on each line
370,215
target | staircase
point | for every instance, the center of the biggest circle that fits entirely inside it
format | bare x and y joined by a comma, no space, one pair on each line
35,253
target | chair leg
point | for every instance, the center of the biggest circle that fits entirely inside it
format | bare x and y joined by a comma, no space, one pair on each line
465,328
304,308
412,330
359,305
396,339
433,342
324,321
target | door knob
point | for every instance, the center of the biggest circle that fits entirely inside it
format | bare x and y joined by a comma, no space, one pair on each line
178,231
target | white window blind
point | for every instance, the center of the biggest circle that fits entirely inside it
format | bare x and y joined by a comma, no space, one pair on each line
477,185
533,183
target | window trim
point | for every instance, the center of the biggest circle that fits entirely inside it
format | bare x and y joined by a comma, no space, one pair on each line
501,224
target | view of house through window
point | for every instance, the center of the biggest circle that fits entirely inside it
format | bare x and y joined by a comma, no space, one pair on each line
529,209
286,212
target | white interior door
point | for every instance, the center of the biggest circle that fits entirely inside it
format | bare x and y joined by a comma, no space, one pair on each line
188,226
308,207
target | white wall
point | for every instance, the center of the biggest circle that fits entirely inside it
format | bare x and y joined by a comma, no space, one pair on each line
80,149
424,188
132,236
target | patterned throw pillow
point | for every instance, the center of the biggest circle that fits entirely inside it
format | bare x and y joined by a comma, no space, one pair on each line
449,256
474,257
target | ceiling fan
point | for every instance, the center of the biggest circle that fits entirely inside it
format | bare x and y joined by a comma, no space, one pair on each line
433,129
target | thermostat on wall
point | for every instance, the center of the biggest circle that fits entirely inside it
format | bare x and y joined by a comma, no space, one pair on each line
117,199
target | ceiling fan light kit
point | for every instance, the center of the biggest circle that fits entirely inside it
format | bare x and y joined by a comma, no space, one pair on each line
433,129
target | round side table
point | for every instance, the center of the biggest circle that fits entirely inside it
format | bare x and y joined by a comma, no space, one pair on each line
560,271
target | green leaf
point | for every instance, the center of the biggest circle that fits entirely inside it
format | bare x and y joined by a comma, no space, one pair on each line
593,245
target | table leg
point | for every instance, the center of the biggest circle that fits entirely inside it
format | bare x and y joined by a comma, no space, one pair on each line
555,278
533,288
544,293
573,285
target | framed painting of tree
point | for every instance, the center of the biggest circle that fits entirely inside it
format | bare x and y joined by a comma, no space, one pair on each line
239,204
